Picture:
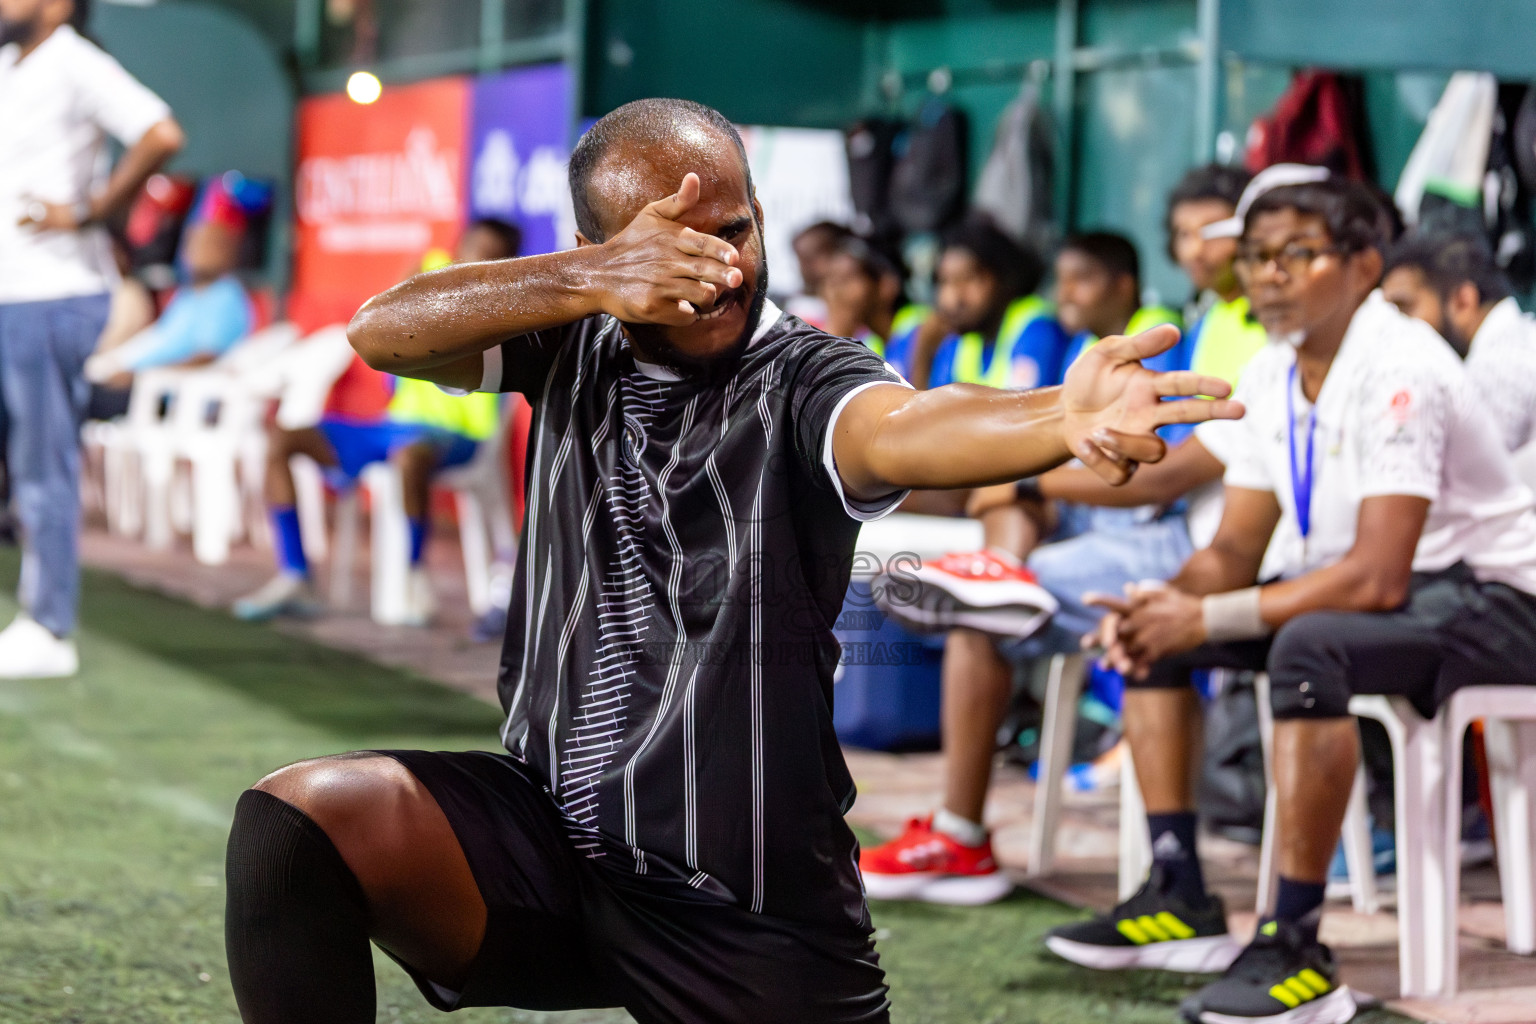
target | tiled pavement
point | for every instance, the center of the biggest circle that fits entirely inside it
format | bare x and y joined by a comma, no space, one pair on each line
1498,988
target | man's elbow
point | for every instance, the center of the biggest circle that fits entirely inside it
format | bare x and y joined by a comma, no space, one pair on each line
366,338
167,138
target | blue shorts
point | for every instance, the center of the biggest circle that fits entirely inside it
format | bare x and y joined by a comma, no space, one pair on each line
359,444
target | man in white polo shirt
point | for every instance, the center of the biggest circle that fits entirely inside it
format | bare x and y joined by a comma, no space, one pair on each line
1454,285
60,98
1408,554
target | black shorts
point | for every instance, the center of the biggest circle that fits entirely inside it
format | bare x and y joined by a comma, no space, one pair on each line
561,935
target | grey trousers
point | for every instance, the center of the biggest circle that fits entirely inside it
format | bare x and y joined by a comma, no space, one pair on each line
43,348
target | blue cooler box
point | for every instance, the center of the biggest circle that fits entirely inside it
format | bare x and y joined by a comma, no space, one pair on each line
886,695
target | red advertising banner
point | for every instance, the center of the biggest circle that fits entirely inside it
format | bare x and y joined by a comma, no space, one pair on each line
377,186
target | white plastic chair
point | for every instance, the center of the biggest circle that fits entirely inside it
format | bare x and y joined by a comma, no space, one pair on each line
1509,736
480,491
1065,677
1420,760
123,445
140,452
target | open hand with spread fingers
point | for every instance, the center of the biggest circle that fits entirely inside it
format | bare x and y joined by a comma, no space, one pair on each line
1112,405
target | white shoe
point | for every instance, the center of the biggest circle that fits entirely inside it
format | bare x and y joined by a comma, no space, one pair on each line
29,651
284,594
420,601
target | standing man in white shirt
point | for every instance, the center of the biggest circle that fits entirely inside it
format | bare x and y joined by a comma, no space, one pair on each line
1408,566
60,98
1453,284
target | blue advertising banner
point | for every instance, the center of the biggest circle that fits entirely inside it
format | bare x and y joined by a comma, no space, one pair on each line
519,148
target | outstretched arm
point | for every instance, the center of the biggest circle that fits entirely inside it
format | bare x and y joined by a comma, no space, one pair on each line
436,325
889,438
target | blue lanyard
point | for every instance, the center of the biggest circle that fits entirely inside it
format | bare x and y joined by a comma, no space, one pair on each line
1301,486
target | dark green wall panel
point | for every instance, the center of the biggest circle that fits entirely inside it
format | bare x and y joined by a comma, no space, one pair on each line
1486,35
1136,137
757,61
1136,24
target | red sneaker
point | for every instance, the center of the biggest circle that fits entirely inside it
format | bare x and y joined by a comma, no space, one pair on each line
921,864
980,590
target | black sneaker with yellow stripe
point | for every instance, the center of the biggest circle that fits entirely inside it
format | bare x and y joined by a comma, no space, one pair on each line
1152,929
1284,976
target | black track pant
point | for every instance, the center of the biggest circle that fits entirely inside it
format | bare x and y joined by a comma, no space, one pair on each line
1452,631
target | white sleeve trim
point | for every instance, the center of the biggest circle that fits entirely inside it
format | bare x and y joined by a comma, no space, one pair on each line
490,375
490,380
863,511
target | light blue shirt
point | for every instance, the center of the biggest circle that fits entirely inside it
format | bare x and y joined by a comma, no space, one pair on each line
204,321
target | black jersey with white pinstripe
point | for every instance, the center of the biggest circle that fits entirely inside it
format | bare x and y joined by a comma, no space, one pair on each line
669,657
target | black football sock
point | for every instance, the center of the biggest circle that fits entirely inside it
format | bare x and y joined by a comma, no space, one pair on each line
296,923
1297,902
1174,850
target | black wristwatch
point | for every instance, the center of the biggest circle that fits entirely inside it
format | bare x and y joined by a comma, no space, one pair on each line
1028,490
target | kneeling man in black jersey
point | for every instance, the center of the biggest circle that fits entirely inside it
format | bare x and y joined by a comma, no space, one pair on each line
665,832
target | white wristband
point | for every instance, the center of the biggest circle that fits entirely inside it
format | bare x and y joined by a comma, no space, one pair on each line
1233,616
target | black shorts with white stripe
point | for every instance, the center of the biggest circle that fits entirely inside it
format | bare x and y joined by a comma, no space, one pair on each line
563,933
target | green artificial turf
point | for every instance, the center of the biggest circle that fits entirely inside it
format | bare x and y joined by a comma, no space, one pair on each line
116,790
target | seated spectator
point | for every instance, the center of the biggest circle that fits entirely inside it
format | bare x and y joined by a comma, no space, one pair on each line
205,318
1098,294
423,432
1202,240
865,292
1408,551
1454,285
983,597
814,247
997,331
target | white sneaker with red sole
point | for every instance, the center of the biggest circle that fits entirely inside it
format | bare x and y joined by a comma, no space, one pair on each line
921,864
981,590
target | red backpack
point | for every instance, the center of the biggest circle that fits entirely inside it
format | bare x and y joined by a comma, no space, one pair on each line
1316,122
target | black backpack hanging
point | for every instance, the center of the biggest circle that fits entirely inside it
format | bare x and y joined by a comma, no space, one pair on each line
870,145
929,182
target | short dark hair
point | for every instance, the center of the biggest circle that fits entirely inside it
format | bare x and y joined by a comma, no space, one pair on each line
836,233
876,261
80,17
1450,261
1115,253
1018,269
1356,216
642,122
1219,182
508,234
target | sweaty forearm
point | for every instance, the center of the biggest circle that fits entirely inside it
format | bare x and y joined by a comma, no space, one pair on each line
1352,584
964,435
442,316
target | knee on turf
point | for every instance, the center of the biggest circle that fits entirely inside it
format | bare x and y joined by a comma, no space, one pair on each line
1308,668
